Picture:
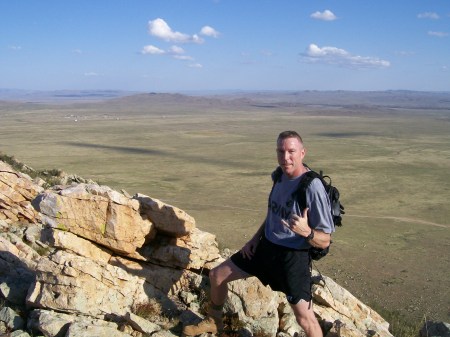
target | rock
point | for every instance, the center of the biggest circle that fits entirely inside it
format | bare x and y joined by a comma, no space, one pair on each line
197,251
140,324
11,319
75,244
98,214
17,265
334,303
55,324
168,219
16,192
19,333
75,284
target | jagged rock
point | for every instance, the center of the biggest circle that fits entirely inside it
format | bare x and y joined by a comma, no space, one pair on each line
96,213
167,280
11,319
75,244
54,324
16,192
168,219
335,303
16,269
19,333
75,284
196,251
80,330
140,324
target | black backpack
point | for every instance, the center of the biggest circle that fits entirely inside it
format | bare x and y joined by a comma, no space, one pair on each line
337,209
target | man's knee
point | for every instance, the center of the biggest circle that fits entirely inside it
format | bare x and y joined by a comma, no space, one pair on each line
214,275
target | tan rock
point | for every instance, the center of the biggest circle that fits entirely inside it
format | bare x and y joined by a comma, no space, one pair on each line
334,303
97,213
52,323
75,284
199,250
75,244
168,219
17,190
167,280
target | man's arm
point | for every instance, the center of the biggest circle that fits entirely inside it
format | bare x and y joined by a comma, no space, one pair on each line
299,224
249,248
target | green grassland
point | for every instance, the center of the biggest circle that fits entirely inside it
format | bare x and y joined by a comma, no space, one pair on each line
214,161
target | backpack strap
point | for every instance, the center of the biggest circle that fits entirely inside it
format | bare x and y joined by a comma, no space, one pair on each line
305,182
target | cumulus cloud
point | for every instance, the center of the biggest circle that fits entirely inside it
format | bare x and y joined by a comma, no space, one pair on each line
326,15
91,74
160,29
209,31
428,15
15,48
437,34
176,50
152,50
341,57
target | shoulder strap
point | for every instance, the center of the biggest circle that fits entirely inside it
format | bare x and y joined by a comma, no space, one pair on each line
300,193
276,175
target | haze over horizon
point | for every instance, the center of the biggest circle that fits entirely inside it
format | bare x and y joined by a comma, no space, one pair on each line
217,45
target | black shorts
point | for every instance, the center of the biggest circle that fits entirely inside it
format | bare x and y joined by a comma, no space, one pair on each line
283,269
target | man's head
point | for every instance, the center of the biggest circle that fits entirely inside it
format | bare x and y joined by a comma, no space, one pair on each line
290,153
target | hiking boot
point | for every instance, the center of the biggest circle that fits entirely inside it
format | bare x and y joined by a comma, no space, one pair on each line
209,324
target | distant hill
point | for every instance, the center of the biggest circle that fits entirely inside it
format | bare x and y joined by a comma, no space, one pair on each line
35,96
249,99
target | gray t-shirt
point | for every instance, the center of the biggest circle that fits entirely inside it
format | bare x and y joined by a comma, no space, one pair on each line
282,205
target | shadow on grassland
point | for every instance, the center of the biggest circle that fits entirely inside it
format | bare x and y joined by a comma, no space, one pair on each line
153,152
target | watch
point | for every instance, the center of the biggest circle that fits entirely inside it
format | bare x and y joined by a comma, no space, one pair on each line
310,236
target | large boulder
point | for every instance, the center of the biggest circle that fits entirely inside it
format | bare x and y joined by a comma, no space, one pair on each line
168,219
96,213
74,284
16,192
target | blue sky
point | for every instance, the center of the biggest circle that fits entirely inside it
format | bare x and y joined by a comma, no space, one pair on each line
184,45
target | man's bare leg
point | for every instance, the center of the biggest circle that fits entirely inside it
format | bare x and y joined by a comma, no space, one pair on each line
219,277
306,318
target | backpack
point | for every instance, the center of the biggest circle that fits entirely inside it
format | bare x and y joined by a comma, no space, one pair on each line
336,208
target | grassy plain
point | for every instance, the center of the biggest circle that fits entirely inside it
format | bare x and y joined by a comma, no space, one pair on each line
213,159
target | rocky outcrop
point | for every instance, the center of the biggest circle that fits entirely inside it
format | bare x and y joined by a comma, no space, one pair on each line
16,192
90,261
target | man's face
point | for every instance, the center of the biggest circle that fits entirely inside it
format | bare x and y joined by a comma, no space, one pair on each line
290,153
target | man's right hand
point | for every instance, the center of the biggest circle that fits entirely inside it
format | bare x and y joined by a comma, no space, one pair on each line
249,248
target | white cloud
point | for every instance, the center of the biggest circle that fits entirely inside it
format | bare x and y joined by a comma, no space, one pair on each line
326,15
176,50
14,48
341,57
77,51
183,57
438,34
160,29
152,50
195,65
428,15
90,74
209,31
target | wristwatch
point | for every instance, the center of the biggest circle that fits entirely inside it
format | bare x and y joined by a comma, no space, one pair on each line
310,236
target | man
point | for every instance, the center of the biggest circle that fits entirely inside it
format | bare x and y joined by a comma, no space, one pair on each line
278,252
